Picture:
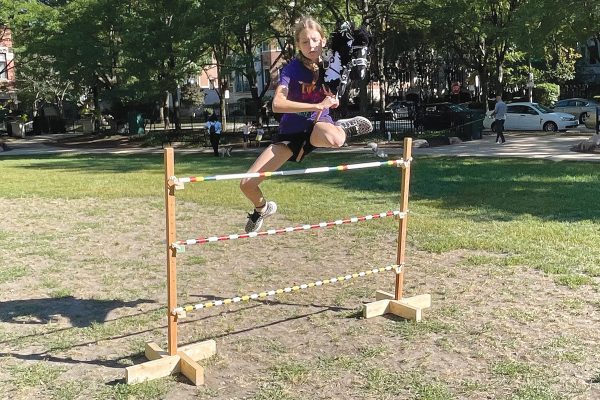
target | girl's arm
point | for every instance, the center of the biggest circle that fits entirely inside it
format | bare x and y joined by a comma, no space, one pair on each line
281,104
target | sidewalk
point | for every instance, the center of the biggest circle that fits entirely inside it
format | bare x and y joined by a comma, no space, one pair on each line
524,145
554,147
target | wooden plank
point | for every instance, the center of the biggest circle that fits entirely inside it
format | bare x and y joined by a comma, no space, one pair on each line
405,310
169,159
154,352
191,369
420,301
381,295
154,369
200,351
402,224
376,308
408,307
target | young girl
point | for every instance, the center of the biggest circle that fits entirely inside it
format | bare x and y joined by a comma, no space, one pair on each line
306,123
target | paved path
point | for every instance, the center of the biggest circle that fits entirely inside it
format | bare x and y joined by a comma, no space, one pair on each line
525,145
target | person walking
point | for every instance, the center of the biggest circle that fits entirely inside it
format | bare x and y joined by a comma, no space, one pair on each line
306,124
245,135
499,114
214,131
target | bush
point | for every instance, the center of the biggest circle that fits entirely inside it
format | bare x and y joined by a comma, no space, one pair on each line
546,93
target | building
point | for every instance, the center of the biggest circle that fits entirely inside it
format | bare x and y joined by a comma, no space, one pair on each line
239,89
7,70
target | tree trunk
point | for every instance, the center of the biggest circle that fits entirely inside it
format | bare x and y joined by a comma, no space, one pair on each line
176,109
96,98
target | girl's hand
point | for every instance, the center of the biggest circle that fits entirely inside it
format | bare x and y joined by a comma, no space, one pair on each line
330,100
328,92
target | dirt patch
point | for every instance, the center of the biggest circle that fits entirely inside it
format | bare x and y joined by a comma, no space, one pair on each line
83,288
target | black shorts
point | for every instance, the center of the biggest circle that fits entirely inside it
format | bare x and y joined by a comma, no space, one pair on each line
298,143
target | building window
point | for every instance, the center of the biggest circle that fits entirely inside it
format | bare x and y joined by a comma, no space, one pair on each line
3,69
266,46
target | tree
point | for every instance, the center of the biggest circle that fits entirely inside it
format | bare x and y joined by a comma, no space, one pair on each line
250,30
37,79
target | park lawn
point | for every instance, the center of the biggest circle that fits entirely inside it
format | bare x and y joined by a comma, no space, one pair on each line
540,212
471,221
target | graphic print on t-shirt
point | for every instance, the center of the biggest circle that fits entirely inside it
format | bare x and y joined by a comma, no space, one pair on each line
308,88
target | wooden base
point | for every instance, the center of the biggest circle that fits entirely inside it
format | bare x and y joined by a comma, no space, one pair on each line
161,364
406,307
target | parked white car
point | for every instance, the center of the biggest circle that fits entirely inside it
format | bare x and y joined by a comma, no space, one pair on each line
524,116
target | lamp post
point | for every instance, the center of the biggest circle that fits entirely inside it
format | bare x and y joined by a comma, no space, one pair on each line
226,96
530,85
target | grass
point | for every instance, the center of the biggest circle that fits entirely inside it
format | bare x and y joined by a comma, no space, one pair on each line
512,369
540,211
506,215
41,373
12,273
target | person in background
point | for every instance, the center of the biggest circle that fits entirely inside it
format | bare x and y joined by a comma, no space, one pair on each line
214,130
259,134
245,134
499,114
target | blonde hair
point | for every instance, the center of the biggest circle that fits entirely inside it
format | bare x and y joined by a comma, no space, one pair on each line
303,24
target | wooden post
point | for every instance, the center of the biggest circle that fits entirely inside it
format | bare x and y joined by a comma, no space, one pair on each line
171,252
404,189
387,303
163,363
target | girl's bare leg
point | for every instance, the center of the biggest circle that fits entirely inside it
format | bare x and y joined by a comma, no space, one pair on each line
271,159
325,134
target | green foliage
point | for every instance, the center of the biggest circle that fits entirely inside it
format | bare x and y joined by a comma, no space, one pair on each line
546,93
192,95
135,52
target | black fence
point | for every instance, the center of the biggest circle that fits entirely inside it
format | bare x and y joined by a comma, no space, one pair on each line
416,123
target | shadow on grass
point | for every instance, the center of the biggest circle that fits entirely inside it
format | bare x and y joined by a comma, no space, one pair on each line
138,357
499,188
79,312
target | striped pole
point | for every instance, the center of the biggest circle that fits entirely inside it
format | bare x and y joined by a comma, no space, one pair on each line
268,174
211,239
288,289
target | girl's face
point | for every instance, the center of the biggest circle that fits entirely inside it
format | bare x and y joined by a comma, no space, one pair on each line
311,44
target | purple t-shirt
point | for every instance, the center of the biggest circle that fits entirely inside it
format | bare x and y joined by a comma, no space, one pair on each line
302,87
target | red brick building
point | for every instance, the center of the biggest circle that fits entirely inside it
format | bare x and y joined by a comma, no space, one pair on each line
7,70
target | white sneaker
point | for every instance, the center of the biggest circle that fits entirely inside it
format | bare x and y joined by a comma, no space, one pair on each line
255,220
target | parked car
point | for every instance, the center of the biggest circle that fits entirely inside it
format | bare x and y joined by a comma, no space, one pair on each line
446,115
590,121
527,116
578,107
400,109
